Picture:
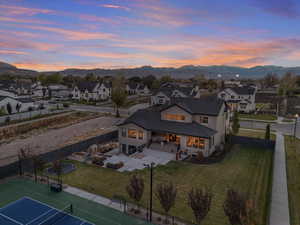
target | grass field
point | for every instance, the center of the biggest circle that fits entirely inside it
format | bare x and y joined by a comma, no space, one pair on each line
15,189
254,134
245,169
258,116
293,168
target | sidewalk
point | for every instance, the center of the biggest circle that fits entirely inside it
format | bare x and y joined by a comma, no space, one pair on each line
94,198
279,204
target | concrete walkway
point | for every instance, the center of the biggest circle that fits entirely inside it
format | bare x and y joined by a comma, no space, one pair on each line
95,198
280,204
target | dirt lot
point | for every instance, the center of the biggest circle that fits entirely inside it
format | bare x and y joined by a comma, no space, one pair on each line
56,138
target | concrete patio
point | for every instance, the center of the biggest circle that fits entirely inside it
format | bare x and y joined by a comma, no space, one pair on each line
138,160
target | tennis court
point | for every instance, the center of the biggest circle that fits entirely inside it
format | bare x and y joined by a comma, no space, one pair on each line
28,211
19,196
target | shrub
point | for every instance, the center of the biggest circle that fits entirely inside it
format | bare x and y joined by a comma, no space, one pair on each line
115,166
200,156
66,105
7,119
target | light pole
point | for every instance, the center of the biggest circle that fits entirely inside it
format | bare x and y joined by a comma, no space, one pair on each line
295,127
151,187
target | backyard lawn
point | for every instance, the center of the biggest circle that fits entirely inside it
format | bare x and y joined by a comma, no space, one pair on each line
258,116
293,168
245,169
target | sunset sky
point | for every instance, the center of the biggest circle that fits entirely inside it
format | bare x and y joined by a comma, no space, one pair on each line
58,34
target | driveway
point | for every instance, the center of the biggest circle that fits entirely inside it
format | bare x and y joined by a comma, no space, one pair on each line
137,161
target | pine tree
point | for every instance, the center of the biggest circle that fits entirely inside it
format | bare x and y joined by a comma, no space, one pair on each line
268,132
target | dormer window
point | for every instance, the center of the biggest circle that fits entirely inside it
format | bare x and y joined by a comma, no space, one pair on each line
204,119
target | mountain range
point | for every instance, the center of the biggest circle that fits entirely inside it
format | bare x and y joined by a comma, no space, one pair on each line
189,71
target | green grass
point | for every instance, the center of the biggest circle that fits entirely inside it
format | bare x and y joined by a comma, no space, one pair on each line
293,175
258,116
15,189
245,169
254,134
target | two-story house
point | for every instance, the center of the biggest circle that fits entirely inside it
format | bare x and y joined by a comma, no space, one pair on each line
164,94
92,91
185,126
241,99
134,88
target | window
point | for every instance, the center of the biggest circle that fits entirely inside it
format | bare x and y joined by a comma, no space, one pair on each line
174,117
196,142
204,119
123,132
124,148
243,105
232,96
132,133
141,135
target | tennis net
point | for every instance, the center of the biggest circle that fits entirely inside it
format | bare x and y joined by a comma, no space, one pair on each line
53,219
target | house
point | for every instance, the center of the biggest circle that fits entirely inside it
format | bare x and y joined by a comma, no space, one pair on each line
58,91
17,104
164,94
92,91
143,89
38,90
105,90
241,99
186,126
133,88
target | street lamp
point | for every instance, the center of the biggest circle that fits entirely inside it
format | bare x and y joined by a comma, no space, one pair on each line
151,186
295,127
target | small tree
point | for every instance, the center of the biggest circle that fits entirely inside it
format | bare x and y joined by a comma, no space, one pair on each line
57,168
118,95
268,132
236,124
239,209
166,194
9,108
135,189
200,200
38,165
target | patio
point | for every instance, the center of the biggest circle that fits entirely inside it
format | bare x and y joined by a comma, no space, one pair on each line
139,159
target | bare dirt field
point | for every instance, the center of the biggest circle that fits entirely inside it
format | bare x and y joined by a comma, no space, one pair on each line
53,139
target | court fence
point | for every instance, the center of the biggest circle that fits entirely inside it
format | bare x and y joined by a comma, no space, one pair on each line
26,165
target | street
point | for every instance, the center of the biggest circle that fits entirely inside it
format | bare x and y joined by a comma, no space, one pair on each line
284,128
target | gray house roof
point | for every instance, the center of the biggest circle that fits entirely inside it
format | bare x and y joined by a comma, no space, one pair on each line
87,85
209,105
150,119
243,90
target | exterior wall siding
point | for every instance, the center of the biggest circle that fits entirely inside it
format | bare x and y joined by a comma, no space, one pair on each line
177,111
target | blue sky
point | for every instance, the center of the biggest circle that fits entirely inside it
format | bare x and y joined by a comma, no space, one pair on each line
60,34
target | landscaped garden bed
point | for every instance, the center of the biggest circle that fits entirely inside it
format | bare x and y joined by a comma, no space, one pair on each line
246,169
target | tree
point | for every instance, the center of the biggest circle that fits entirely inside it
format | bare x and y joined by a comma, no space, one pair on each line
268,132
57,168
239,209
38,164
55,78
287,84
200,201
9,108
135,79
165,79
135,188
18,107
236,124
166,194
118,95
90,77
149,81
270,80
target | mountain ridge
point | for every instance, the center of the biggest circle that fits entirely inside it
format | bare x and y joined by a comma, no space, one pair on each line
186,71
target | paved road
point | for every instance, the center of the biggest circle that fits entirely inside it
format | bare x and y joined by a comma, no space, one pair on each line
280,204
284,128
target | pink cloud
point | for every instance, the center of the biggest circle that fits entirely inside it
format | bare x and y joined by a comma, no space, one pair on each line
23,20
115,6
12,52
75,35
18,10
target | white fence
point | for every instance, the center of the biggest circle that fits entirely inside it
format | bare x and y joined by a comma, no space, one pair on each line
29,114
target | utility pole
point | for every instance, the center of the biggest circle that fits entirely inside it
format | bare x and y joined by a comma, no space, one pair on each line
151,188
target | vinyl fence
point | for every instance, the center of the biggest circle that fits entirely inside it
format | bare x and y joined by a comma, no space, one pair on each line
14,168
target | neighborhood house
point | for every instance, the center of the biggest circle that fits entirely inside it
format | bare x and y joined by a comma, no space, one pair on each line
186,126
92,91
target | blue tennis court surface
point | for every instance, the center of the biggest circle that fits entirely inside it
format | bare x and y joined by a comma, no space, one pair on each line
27,211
